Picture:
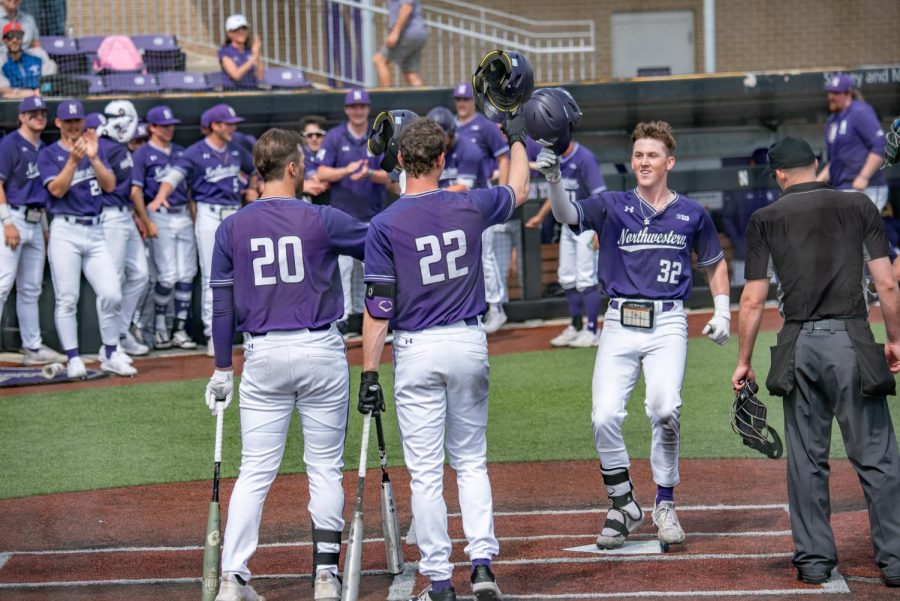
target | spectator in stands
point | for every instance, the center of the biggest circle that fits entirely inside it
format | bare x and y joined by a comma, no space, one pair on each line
22,70
50,15
31,38
403,45
242,64
738,206
855,142
312,128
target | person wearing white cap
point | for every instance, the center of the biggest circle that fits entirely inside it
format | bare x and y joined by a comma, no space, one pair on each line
241,55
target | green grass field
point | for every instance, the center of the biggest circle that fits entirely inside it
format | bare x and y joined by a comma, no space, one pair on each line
155,433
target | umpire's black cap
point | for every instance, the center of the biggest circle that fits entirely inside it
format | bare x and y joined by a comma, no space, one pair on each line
790,152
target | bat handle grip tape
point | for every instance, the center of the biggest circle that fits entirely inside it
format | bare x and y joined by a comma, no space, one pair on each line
364,447
220,421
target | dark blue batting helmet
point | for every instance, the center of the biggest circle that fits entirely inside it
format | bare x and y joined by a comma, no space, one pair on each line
384,134
550,114
502,83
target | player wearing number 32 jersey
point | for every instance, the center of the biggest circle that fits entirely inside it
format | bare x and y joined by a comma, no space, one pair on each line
647,238
275,276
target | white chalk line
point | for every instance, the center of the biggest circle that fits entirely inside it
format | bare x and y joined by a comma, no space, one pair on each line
681,508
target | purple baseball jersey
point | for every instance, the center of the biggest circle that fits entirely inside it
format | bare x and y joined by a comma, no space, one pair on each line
580,172
280,255
488,138
121,163
151,166
429,246
213,176
645,254
462,164
85,196
19,171
363,198
851,135
239,57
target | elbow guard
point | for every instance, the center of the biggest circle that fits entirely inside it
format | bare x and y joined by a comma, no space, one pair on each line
380,300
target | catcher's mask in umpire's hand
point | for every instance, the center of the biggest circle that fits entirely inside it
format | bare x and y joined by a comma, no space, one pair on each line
502,83
384,134
748,420
550,115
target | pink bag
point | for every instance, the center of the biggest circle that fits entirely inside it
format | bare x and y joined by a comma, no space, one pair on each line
118,53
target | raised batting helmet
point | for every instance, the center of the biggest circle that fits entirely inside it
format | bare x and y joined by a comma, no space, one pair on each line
892,144
550,114
443,117
502,83
384,134
748,420
121,121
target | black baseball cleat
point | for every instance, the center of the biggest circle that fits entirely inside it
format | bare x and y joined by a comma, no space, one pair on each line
813,576
892,581
484,585
430,595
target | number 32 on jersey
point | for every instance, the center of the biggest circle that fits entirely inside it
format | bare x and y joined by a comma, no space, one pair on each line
669,271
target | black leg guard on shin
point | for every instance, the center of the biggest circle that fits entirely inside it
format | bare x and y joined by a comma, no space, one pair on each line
325,558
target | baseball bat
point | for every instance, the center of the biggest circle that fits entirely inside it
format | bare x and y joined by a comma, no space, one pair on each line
353,564
392,546
213,547
51,370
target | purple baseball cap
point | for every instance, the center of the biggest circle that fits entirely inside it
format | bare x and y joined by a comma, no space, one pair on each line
840,83
221,113
161,115
32,103
94,120
69,109
463,90
356,96
142,132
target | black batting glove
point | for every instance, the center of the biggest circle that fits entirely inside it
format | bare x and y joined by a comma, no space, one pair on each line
371,397
514,128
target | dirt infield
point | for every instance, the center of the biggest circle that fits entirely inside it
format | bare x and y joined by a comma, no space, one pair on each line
145,542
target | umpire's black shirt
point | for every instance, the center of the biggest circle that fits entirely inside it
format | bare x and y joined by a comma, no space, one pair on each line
815,239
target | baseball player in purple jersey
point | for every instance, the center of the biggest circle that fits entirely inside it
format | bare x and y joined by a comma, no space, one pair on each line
22,205
424,277
219,173
169,228
275,277
115,129
577,270
855,143
647,236
76,174
495,155
462,158
357,185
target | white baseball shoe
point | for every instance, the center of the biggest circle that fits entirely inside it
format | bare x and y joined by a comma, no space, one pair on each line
132,347
585,339
564,337
210,349
181,339
666,520
117,364
327,587
42,356
102,353
493,319
76,369
161,340
232,590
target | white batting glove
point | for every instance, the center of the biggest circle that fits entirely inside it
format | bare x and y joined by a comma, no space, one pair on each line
548,164
718,329
220,386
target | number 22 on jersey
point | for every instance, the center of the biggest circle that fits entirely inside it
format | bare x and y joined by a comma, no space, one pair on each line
440,262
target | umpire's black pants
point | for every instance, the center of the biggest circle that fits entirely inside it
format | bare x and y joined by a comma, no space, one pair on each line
827,386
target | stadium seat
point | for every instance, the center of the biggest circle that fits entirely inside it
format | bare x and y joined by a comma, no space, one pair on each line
155,42
131,83
161,52
216,80
280,77
96,85
182,81
89,44
65,53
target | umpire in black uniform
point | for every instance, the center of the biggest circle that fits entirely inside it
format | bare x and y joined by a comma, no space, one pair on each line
826,364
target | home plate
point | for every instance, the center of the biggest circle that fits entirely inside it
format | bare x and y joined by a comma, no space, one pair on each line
647,547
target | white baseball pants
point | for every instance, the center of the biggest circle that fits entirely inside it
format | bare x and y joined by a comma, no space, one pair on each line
623,352
74,249
208,220
577,260
174,248
24,267
283,371
130,258
441,390
352,283
494,282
